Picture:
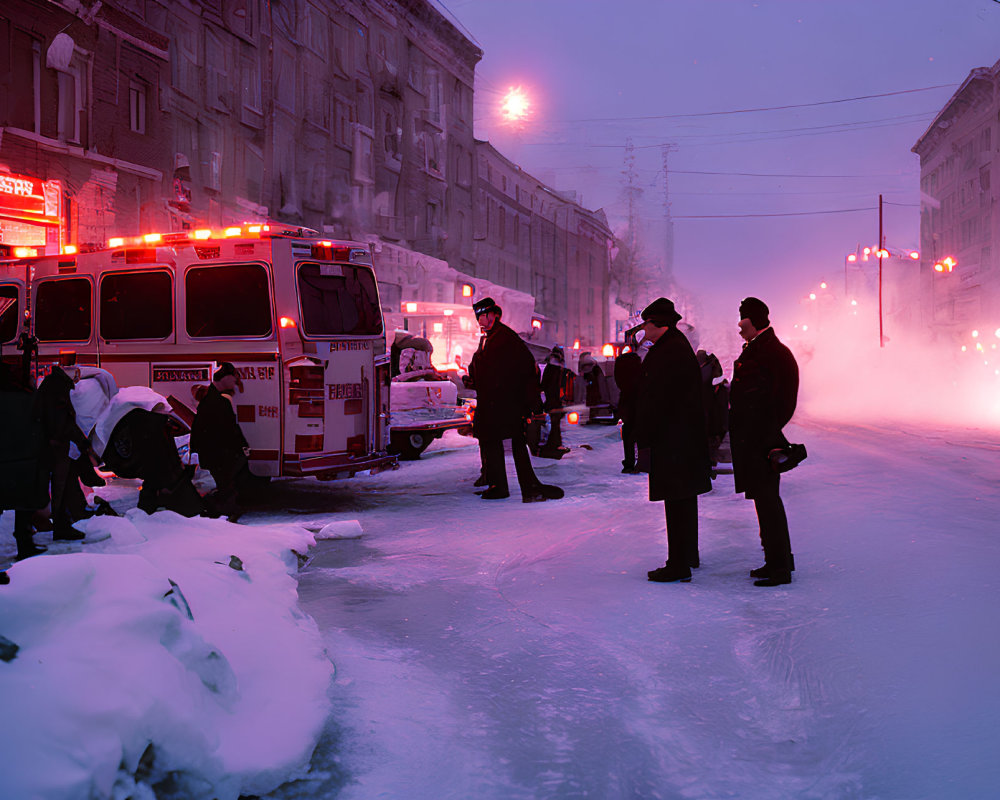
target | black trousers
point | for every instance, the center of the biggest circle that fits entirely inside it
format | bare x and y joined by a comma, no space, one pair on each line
682,530
629,444
774,536
496,467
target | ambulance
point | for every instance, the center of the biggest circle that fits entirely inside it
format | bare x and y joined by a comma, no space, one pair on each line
296,314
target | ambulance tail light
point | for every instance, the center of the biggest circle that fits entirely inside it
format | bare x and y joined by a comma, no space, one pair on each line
287,322
356,445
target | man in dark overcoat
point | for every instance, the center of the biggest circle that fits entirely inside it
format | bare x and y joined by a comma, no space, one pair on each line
671,424
53,408
761,402
220,444
507,394
628,370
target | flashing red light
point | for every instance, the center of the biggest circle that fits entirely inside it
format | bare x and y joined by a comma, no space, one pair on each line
536,324
287,322
914,255
573,417
466,290
576,344
852,257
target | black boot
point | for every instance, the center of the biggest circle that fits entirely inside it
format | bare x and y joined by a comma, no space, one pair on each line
670,572
765,570
775,578
26,547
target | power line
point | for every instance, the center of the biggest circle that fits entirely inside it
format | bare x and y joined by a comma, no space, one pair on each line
782,214
767,108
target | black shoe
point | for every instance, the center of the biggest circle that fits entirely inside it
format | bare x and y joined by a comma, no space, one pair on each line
494,493
4,579
69,534
28,550
694,563
765,570
669,573
775,579
551,492
481,481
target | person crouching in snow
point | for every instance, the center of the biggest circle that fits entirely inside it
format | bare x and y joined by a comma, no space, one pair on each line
671,425
220,444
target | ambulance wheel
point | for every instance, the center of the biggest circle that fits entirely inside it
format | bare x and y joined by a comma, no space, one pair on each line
409,446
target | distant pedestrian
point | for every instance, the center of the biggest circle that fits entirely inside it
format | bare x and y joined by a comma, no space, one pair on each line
671,425
507,396
628,373
762,401
553,380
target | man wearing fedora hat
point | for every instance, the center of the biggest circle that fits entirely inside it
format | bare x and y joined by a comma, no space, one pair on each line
670,424
762,401
505,378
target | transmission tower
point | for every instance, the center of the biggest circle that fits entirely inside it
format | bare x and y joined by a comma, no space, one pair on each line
668,222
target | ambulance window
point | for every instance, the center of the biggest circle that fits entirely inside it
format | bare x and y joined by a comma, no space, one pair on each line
343,301
62,310
8,313
228,300
136,305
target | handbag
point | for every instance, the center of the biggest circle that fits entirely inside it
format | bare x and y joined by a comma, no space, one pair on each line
787,457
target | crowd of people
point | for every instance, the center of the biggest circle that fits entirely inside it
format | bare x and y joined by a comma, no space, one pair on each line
667,405
56,435
674,416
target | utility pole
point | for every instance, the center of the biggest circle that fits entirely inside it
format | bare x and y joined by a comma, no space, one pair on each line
668,222
881,247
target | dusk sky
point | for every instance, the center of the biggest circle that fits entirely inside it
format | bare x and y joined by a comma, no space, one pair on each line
658,71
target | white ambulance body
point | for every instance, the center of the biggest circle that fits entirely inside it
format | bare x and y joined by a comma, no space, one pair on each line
298,316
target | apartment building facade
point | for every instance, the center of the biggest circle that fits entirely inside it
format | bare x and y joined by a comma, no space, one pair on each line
534,239
958,218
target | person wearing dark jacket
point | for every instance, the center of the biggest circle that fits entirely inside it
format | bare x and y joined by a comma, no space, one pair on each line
53,409
507,394
220,444
24,477
671,424
628,371
761,402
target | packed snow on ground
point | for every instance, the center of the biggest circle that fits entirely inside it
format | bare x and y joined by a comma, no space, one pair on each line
493,649
162,652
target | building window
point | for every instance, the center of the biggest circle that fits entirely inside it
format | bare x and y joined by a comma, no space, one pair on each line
137,107
72,102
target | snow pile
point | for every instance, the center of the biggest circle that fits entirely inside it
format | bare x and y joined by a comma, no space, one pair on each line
172,655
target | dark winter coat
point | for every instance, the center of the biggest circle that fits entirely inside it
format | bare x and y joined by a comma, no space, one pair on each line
24,479
215,434
54,411
671,422
761,402
553,378
506,381
628,373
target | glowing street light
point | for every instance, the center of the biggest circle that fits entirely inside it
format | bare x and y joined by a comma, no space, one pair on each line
515,106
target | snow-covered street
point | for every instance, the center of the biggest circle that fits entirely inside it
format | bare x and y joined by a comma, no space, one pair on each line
496,649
